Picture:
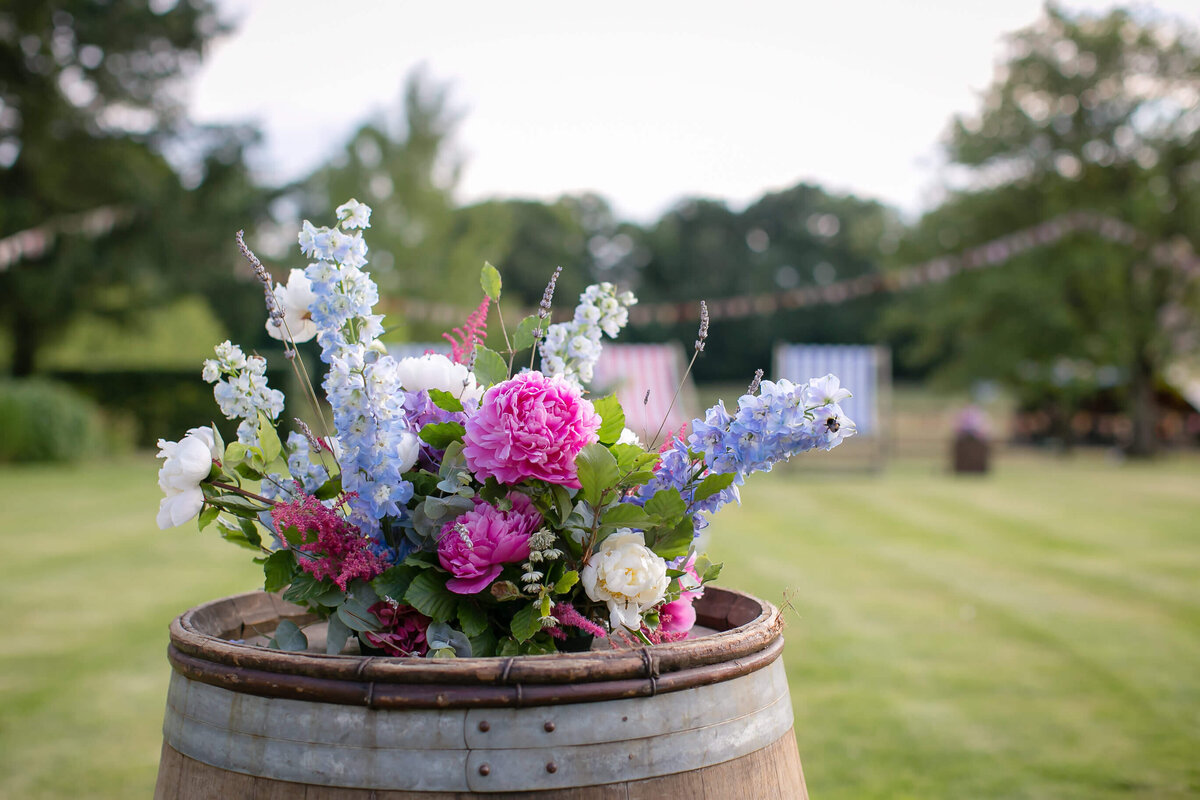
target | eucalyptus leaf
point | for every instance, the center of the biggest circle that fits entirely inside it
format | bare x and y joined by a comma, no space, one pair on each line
357,616
288,636
336,635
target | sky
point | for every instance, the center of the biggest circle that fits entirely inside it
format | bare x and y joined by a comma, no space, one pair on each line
643,102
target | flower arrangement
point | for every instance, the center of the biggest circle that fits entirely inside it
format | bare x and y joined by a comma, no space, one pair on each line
469,505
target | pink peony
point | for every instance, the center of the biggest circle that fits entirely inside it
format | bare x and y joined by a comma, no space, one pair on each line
403,632
679,616
530,426
474,545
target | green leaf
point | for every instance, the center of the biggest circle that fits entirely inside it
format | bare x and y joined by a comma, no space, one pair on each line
612,418
289,637
627,515
626,455
278,570
440,434
234,452
484,645
674,542
250,530
489,368
444,400
235,536
428,594
525,624
268,439
472,619
329,489
562,502
207,515
597,470
363,592
566,582
332,598
357,616
526,333
489,279
712,484
638,478
248,472
336,635
712,573
667,505
292,535
508,647
304,588
394,582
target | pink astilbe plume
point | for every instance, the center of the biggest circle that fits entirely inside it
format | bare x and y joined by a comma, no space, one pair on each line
567,614
332,547
470,334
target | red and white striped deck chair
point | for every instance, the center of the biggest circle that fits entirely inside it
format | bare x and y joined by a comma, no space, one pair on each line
630,370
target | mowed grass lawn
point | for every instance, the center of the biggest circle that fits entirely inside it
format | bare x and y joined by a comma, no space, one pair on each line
1032,634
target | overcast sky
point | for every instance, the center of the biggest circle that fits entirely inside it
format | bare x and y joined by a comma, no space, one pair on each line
643,102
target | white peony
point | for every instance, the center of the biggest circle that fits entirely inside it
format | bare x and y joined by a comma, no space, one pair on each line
188,462
294,300
626,575
628,436
435,371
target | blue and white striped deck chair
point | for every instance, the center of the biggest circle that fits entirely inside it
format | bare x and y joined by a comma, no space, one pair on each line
863,369
399,350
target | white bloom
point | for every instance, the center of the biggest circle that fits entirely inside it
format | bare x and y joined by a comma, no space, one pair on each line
629,437
187,463
354,214
626,575
826,391
436,371
407,450
294,301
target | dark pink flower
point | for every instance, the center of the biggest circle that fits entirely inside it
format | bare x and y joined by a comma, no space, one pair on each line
403,632
475,545
679,616
332,548
530,426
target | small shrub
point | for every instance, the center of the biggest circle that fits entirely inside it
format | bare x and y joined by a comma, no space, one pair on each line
45,421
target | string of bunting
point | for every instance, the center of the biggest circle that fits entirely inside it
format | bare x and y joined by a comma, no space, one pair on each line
32,243
994,253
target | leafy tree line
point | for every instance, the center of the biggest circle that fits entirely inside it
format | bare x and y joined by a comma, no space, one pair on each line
1087,112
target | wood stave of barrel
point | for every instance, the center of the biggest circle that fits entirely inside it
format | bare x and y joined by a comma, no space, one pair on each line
705,717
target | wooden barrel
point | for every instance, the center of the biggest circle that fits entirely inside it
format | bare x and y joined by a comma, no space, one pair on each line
706,717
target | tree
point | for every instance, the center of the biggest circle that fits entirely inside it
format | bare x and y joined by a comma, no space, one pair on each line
1087,113
87,110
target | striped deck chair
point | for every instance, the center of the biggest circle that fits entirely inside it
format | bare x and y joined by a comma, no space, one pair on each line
630,370
865,370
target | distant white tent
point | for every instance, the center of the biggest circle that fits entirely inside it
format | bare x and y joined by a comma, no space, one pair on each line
644,378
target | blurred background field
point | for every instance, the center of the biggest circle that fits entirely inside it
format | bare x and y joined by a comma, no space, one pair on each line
1031,635
1005,201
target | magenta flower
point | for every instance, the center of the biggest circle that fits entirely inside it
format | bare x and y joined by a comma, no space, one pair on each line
403,632
530,426
679,616
475,545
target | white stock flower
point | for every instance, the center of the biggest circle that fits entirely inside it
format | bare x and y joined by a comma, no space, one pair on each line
436,371
187,463
294,301
627,576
